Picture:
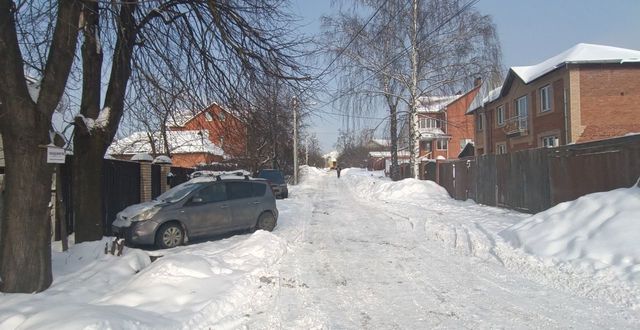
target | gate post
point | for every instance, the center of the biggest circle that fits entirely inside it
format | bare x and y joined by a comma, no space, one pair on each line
165,170
145,175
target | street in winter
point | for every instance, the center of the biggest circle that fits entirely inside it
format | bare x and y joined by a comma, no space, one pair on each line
360,252
296,164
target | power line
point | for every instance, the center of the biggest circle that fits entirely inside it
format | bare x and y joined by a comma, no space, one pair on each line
353,39
406,49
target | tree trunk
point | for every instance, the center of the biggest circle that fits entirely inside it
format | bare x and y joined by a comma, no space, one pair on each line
25,246
87,189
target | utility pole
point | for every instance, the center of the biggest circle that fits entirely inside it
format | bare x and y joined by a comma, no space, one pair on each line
414,143
306,151
295,140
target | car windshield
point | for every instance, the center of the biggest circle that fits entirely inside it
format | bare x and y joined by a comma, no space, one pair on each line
178,192
273,176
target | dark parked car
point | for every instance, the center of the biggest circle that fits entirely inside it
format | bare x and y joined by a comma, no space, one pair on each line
277,182
200,207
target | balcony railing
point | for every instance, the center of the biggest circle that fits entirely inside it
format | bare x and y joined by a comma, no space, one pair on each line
518,125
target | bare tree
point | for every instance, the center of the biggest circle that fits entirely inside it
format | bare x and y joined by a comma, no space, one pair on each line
209,46
409,49
352,148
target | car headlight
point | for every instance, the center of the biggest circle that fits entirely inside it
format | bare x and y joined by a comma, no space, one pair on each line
146,215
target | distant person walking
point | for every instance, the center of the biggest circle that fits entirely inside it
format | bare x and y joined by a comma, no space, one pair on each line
338,169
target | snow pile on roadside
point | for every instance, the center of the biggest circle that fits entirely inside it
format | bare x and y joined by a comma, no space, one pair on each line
380,187
205,284
595,232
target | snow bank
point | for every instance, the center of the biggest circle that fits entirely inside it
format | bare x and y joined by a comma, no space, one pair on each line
382,188
597,231
193,286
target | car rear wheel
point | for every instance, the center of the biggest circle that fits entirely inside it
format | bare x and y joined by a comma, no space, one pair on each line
169,235
266,221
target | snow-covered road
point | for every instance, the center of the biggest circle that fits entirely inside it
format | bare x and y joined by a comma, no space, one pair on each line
356,261
359,252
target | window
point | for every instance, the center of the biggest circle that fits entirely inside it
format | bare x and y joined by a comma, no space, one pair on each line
522,112
259,189
221,116
426,146
442,144
428,123
463,143
213,193
221,140
500,115
550,141
545,98
501,148
479,122
207,116
238,190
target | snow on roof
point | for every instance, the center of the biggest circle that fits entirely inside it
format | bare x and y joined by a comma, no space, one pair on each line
387,154
427,104
382,142
432,133
179,142
483,97
332,155
580,53
181,117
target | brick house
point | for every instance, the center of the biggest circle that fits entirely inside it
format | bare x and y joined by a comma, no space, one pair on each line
208,136
443,127
586,93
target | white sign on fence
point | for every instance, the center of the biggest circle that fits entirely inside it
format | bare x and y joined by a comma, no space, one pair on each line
55,155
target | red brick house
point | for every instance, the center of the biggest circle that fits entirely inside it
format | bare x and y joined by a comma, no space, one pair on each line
588,92
444,129
193,138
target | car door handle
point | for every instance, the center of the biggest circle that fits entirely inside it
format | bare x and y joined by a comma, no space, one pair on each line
256,203
224,206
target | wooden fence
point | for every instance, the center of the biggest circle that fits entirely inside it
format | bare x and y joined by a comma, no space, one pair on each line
537,179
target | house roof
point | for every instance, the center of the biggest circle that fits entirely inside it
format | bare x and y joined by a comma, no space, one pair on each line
182,117
581,53
578,54
179,142
484,96
430,104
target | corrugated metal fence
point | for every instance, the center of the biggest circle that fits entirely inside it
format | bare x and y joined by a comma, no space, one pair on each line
537,179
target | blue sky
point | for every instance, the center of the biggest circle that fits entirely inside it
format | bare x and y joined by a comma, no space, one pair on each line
529,31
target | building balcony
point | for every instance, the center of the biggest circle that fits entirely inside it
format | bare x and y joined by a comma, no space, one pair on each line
516,126
427,134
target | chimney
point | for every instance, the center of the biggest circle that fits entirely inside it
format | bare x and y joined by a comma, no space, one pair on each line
477,82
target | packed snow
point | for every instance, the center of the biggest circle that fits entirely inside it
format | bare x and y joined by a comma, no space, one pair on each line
362,251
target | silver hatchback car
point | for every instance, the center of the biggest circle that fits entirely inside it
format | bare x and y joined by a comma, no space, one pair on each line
200,207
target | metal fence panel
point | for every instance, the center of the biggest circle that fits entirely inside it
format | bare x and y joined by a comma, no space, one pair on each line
485,180
179,175
580,169
121,188
446,178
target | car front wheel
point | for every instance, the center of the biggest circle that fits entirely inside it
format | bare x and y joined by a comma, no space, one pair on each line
266,221
169,235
